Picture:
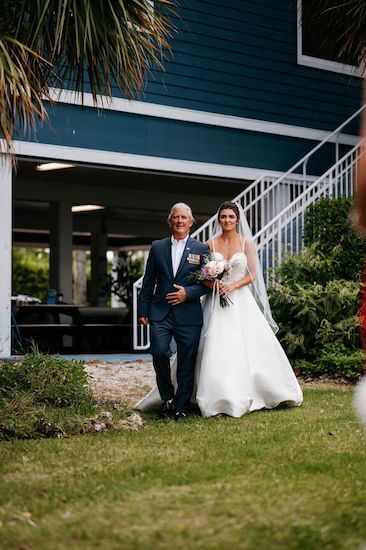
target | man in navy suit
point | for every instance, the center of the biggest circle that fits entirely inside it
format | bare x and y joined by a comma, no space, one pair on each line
170,302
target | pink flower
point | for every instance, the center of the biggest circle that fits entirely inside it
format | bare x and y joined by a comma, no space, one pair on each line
214,268
204,271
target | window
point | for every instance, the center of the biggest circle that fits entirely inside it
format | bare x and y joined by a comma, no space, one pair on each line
314,53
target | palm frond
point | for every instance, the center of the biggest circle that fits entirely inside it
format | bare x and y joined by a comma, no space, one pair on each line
23,88
100,44
87,45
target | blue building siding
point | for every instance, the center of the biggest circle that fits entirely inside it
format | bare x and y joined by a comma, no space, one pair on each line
127,133
240,59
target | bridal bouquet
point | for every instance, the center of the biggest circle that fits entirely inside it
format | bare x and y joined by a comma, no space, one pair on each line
214,270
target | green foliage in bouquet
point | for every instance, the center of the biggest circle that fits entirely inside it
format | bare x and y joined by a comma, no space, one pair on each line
316,298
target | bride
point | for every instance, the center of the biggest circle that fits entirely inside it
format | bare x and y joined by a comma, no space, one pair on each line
241,366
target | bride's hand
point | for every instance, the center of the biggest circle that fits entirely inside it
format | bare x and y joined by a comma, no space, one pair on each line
226,288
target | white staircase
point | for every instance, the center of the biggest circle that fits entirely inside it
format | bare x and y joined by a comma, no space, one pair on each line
283,234
275,208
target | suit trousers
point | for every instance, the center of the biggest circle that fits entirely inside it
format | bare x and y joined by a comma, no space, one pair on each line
187,339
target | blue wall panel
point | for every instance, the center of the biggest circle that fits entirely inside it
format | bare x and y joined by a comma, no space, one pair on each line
127,133
239,58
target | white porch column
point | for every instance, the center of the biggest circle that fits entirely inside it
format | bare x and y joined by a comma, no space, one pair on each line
61,248
99,243
5,255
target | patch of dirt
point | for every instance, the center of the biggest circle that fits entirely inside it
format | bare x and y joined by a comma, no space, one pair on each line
126,381
325,383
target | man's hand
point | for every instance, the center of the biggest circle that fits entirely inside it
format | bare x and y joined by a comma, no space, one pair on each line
143,321
175,298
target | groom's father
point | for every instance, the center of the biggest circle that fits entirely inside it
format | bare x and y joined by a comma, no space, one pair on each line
170,302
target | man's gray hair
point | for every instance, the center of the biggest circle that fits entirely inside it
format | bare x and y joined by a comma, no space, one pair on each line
180,205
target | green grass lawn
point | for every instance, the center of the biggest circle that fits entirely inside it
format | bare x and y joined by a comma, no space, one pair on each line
291,478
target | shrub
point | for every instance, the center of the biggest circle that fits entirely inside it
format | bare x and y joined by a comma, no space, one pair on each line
310,315
311,265
316,299
46,396
335,361
345,332
327,224
319,327
47,379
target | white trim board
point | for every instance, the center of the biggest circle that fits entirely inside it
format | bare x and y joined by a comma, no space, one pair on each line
318,62
143,162
198,117
5,255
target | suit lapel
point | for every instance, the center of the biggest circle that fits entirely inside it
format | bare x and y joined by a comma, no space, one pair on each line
168,254
186,251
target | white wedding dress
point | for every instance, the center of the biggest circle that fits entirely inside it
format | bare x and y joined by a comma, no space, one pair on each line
241,366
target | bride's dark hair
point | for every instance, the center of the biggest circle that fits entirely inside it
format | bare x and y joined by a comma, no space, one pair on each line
228,205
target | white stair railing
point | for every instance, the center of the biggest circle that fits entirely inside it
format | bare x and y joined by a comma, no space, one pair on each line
261,201
283,235
269,194
264,201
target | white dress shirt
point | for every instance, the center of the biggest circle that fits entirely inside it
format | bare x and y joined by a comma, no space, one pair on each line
178,247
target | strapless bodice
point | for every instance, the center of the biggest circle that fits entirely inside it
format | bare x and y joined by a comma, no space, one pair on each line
238,265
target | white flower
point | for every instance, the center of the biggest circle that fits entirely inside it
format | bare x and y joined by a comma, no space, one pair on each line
212,268
221,266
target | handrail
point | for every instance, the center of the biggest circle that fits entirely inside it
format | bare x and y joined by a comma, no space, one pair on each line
259,202
335,132
283,235
309,189
302,162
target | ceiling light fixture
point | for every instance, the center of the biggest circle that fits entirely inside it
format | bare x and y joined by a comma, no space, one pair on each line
53,166
86,207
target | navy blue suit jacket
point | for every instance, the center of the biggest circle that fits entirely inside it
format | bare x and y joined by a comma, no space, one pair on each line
159,280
